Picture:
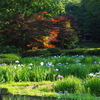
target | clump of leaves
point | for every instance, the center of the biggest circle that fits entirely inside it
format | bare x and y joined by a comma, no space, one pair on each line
9,58
9,49
70,84
54,50
43,53
93,86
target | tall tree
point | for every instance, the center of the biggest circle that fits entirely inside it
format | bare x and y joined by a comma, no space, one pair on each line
92,23
8,8
36,31
87,13
23,30
66,31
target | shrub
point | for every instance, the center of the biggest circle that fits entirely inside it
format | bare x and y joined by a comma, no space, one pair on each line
9,49
43,52
79,71
8,58
2,74
93,85
70,84
82,51
94,52
54,51
73,52
36,53
29,54
95,68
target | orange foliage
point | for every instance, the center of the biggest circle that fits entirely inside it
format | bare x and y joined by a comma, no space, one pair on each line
52,38
53,32
60,18
43,40
34,47
49,46
29,45
56,28
55,21
35,26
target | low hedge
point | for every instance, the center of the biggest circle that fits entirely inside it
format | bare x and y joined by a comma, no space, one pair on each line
57,51
37,52
54,51
84,51
8,58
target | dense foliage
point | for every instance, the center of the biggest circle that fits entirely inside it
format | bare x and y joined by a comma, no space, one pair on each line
36,24
25,31
43,23
87,13
92,23
30,6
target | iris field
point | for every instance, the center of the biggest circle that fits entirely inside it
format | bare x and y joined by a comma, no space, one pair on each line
69,74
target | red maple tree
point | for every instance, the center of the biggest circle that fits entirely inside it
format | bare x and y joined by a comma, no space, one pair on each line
35,31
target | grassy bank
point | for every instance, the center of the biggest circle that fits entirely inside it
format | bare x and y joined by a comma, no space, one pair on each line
54,76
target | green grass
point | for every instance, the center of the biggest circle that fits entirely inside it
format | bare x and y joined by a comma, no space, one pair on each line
29,69
23,90
29,72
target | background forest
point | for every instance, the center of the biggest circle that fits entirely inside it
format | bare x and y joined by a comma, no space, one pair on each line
27,24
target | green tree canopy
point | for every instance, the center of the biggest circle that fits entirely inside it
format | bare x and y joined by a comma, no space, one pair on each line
27,7
87,13
92,23
54,7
